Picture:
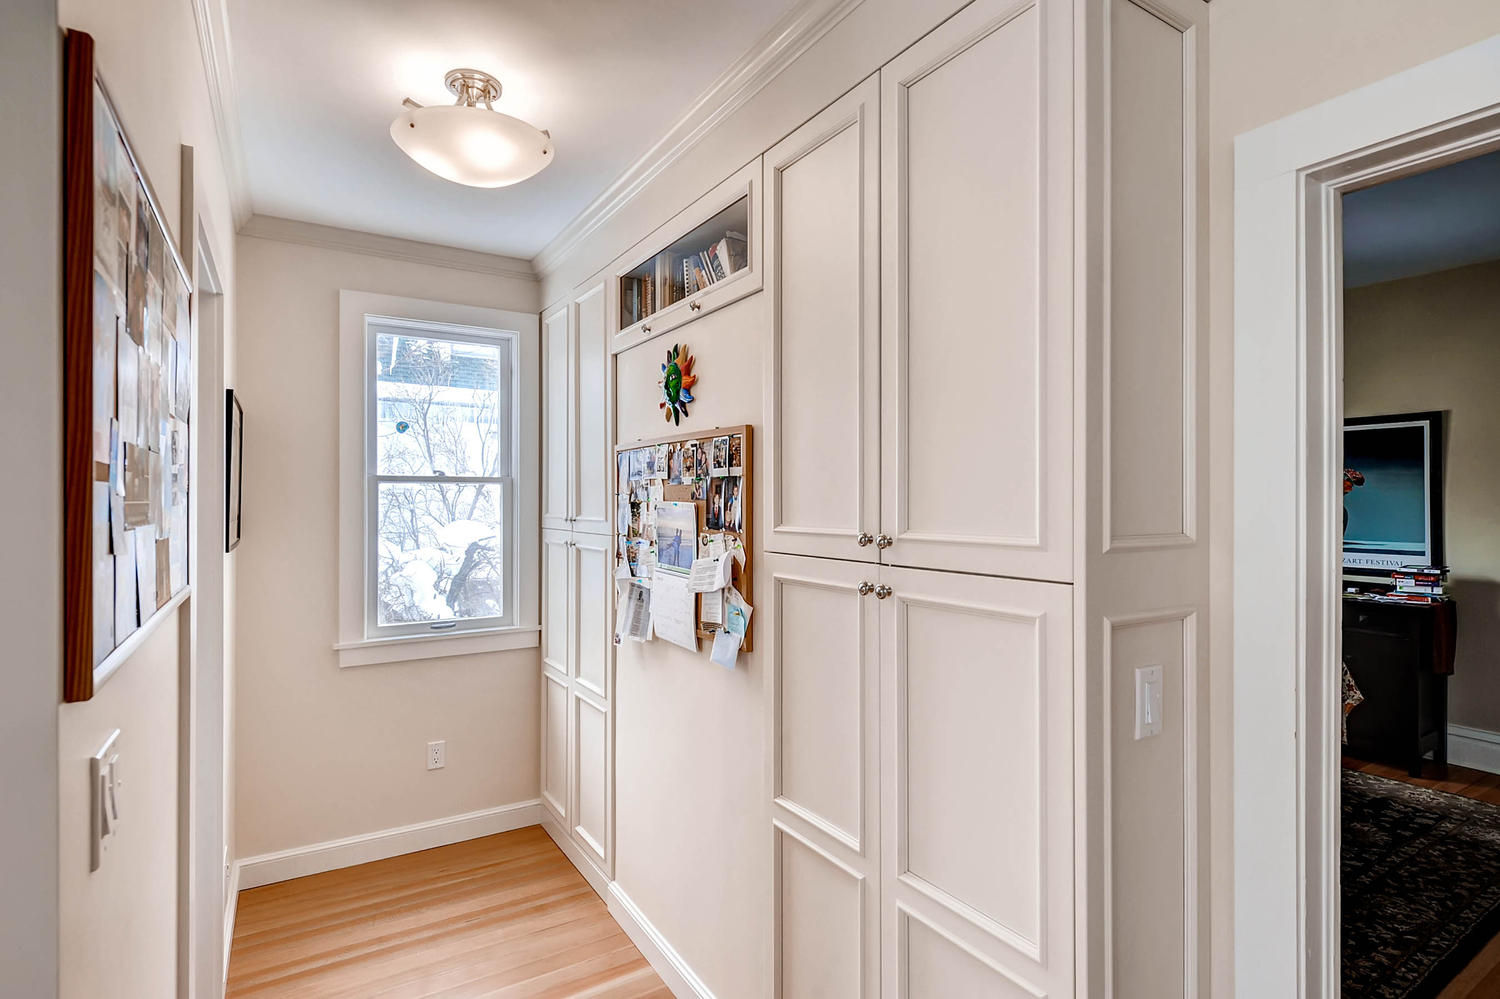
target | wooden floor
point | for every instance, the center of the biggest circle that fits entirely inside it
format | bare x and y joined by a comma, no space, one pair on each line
1481,979
505,915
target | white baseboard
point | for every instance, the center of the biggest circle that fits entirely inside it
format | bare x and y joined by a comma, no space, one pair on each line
319,857
674,971
1474,747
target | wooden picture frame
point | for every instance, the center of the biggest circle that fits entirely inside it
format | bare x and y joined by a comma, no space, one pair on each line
743,578
128,386
234,468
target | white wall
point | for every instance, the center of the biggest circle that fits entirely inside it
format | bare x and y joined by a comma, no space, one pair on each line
321,752
119,926
1433,342
31,581
1270,58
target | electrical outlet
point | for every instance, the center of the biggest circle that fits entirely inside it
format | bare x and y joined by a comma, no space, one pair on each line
437,754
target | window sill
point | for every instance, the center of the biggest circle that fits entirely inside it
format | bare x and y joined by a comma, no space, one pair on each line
412,648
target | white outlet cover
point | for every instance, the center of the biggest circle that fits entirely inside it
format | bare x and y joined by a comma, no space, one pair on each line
437,754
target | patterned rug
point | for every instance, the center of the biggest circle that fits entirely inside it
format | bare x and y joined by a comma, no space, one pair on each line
1421,886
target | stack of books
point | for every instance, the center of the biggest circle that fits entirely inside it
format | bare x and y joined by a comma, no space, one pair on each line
714,263
1425,581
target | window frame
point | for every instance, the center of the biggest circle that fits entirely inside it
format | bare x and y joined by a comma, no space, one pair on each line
507,385
359,639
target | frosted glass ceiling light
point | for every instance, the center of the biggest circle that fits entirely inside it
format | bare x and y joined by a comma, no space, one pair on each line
470,144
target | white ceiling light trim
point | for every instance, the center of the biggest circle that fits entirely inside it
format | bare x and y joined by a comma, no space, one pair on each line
470,144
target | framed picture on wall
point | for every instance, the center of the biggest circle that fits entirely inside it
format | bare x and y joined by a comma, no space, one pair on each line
234,467
128,371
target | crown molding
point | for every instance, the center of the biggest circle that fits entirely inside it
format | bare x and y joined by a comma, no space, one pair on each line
777,49
212,21
329,237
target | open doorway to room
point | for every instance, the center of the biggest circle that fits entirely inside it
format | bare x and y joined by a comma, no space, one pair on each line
1419,860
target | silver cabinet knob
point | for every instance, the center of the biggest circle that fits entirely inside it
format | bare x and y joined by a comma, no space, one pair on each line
884,541
865,588
865,538
645,329
695,306
882,591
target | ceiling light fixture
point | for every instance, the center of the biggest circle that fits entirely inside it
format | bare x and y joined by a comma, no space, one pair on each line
469,144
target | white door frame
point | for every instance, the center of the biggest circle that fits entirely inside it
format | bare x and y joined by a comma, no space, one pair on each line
1288,419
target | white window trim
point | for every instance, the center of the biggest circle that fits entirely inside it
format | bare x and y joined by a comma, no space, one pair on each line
351,643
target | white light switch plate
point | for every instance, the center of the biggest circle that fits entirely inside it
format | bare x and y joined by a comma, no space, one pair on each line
1148,701
104,798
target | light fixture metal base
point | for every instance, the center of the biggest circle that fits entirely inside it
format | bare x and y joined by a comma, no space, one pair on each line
473,87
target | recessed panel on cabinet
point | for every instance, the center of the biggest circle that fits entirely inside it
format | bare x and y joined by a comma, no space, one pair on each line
936,967
556,419
591,444
591,612
825,662
555,743
591,820
977,332
1149,437
820,925
822,251
977,763
555,603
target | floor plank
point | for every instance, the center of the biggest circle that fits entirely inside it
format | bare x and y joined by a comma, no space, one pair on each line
1481,978
502,916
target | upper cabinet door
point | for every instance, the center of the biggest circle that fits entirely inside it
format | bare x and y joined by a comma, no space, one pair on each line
556,418
977,264
590,445
822,256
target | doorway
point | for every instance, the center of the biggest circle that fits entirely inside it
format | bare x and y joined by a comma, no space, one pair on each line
1290,177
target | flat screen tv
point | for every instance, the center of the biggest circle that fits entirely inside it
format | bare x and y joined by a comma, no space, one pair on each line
1393,493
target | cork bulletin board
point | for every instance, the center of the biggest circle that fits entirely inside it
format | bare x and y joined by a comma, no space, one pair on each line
710,469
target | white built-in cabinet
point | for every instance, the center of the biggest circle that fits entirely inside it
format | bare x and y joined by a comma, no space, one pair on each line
576,716
984,406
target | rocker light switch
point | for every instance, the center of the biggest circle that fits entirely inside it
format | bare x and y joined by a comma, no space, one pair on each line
1148,701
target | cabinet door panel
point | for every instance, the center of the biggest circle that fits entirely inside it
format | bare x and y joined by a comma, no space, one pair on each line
556,418
555,600
555,744
823,694
822,385
590,444
978,776
976,325
590,594
590,756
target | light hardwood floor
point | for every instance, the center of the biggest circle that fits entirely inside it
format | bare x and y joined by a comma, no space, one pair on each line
505,915
1481,979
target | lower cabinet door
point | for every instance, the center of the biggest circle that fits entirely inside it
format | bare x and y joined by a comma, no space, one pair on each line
977,786
822,694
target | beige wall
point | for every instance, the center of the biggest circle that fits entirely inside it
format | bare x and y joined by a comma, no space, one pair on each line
119,925
321,752
1270,58
31,581
1433,342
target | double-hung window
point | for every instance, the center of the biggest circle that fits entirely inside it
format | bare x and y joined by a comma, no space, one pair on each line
440,456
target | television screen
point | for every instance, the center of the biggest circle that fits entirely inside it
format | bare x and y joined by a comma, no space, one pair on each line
1392,492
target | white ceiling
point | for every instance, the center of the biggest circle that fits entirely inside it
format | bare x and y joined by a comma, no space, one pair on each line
319,81
1428,222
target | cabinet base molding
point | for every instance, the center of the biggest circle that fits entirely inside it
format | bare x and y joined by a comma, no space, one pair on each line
298,862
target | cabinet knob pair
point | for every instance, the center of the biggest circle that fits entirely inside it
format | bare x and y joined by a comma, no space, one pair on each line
881,592
866,538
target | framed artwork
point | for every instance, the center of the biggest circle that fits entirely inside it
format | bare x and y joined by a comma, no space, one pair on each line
128,382
234,468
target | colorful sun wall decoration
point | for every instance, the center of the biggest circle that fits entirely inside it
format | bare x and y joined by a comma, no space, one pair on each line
677,379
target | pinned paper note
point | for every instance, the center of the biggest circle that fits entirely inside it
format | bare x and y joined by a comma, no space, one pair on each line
674,610
737,613
726,649
713,608
709,574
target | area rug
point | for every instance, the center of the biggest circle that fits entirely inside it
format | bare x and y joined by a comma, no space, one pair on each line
1421,886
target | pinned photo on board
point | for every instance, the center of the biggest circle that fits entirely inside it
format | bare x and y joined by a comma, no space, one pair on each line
719,464
676,536
676,454
658,462
736,455
733,519
714,506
